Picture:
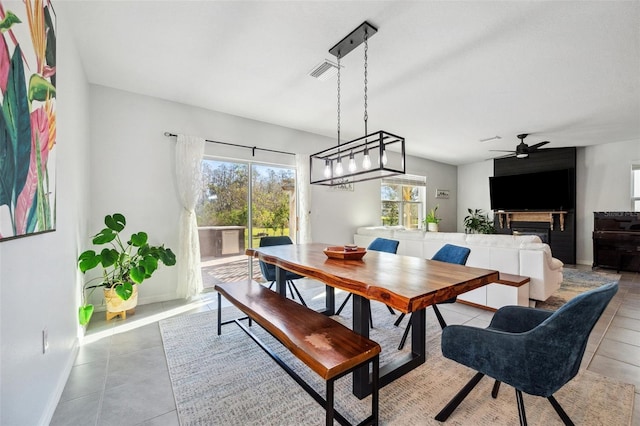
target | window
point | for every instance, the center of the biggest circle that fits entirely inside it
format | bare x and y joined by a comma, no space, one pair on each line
241,202
635,187
226,191
403,201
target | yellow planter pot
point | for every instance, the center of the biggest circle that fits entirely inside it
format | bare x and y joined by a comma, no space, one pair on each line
115,305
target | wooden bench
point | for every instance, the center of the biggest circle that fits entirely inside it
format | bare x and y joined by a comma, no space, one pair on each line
324,345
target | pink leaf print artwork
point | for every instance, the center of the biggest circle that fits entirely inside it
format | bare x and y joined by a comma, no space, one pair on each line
39,138
4,64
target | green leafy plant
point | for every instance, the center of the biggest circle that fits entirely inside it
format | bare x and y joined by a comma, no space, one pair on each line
432,216
478,222
123,264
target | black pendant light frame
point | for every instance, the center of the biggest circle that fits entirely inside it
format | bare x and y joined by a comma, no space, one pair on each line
382,162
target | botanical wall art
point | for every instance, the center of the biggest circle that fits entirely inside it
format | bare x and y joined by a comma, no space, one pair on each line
28,117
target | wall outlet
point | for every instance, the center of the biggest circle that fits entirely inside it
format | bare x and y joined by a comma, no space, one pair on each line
45,340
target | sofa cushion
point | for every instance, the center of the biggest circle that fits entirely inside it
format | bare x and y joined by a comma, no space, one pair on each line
409,234
536,246
377,231
490,240
520,255
556,264
522,239
445,236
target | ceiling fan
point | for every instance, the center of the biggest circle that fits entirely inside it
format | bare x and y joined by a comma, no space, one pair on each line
522,150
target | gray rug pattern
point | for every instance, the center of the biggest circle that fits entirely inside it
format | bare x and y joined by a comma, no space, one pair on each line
229,380
575,282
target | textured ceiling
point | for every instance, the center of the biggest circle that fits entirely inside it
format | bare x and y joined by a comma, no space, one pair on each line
442,74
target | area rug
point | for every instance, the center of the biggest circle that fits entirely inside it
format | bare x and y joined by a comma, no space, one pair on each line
575,282
229,380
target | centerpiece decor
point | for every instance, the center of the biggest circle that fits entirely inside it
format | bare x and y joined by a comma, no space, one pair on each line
346,252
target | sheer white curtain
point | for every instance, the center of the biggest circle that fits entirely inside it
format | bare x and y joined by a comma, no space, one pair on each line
189,153
304,194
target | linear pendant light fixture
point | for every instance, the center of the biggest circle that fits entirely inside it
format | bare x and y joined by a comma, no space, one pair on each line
368,156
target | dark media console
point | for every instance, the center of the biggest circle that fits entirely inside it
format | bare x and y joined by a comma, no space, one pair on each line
616,240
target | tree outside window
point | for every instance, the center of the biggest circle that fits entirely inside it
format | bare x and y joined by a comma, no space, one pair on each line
403,201
225,193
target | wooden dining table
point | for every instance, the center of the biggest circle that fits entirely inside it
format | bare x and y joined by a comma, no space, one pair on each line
407,284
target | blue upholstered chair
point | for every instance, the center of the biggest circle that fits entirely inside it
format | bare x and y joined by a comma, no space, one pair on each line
534,350
384,245
269,271
379,244
448,253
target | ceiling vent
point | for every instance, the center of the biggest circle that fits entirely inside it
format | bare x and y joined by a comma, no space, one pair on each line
492,138
324,70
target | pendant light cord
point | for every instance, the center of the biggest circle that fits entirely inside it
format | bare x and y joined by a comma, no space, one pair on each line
339,98
366,115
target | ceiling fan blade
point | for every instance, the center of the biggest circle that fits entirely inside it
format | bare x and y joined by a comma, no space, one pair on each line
502,150
504,156
537,145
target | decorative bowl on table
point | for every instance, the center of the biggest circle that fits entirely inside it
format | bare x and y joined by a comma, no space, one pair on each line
346,252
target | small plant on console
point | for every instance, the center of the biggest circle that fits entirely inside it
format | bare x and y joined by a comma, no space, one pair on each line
478,222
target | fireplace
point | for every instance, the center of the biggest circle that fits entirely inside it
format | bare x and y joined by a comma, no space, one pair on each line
543,233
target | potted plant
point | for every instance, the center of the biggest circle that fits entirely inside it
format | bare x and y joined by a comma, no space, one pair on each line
123,266
432,219
478,222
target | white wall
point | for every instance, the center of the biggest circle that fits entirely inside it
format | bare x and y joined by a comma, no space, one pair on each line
603,184
439,176
603,174
335,215
128,146
133,163
473,189
39,284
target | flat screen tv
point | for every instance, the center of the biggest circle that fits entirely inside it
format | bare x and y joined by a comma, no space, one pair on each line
551,190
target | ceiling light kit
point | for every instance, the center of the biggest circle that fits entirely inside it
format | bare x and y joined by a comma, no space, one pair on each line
522,150
367,155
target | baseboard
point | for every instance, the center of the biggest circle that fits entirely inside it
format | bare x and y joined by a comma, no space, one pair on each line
475,305
156,299
142,301
47,414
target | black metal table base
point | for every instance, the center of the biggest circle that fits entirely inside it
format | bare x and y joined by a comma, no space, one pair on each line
388,373
328,403
362,381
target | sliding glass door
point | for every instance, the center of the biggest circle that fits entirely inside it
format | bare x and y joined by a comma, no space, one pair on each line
241,202
273,202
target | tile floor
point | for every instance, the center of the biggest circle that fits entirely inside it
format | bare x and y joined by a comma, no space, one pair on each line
122,364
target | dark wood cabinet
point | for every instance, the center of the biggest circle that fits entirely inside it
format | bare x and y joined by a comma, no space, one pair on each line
616,240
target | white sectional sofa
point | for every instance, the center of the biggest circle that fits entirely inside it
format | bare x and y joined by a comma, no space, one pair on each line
524,255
